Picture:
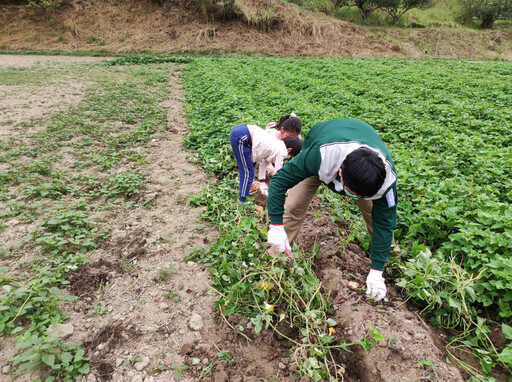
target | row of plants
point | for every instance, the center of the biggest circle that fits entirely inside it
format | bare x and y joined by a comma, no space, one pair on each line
266,289
445,124
74,164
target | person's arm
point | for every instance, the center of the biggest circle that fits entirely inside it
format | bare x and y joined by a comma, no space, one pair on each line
299,168
383,223
263,169
271,170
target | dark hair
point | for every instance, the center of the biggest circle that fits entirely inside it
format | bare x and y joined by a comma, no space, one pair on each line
290,124
294,143
363,172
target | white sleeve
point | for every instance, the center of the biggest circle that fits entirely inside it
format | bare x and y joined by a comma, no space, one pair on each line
263,169
279,162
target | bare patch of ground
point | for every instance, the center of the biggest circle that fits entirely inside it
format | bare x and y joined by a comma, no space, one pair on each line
16,61
19,103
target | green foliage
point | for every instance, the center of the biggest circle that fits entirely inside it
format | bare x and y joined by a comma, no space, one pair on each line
487,11
445,290
365,7
123,184
66,230
397,8
65,361
267,289
165,274
45,4
444,125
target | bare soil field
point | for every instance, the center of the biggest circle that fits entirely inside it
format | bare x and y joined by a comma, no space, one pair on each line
139,323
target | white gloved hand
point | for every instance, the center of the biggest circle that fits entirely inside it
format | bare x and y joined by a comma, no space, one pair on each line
278,238
263,189
375,286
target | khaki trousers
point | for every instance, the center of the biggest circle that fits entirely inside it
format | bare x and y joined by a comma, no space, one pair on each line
297,203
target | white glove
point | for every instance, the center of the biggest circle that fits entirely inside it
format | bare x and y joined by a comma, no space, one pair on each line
375,287
278,238
263,189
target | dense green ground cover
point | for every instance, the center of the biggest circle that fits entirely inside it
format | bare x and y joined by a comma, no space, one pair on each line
447,125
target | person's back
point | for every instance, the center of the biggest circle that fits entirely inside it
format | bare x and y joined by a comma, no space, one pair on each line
345,130
265,146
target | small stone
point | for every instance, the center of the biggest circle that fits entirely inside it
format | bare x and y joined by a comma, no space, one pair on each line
149,328
137,378
383,343
220,376
196,322
281,366
163,306
139,366
205,361
119,362
6,369
91,378
353,285
61,330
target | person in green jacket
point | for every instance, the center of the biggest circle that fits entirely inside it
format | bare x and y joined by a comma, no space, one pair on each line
348,156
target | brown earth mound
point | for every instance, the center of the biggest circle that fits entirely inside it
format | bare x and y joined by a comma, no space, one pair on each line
143,26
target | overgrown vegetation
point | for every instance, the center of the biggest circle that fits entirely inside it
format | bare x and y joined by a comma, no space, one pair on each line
443,123
104,137
264,16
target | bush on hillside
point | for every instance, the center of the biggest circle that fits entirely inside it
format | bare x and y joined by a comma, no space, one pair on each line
46,4
487,11
397,8
365,7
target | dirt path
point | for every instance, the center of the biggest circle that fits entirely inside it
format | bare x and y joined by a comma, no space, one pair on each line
153,319
20,61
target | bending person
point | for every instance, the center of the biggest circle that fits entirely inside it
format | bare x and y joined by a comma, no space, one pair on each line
348,156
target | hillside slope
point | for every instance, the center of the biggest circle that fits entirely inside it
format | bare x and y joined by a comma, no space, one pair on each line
144,27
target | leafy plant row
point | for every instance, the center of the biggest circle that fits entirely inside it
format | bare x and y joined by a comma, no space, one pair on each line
265,289
446,124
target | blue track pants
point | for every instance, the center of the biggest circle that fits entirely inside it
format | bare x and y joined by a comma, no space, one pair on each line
240,139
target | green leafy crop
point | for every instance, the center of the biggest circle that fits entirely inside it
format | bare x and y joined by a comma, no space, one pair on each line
446,124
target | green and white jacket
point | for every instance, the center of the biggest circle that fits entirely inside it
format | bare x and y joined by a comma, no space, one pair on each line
325,148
